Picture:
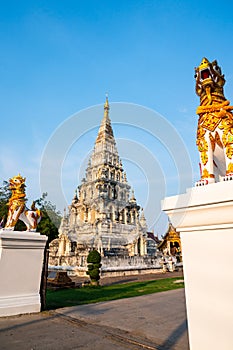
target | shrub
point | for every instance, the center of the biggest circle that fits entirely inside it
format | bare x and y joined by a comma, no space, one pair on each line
94,257
93,260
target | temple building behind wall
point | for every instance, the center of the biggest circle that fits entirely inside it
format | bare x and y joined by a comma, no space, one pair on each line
104,213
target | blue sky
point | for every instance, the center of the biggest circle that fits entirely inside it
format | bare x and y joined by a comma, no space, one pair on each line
58,58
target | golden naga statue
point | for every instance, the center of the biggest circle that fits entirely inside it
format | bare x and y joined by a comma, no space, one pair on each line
215,124
17,206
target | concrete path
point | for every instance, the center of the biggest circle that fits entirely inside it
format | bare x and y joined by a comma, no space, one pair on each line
155,321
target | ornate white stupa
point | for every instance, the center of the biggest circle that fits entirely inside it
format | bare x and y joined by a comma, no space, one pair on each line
104,213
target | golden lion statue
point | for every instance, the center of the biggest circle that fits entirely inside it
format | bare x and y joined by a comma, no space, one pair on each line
215,125
17,207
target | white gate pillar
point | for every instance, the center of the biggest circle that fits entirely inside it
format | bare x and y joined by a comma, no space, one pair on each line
21,260
204,218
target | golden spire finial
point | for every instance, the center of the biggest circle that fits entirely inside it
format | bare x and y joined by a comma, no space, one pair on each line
106,106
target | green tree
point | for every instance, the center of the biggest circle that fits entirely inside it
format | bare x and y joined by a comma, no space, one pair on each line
50,220
5,194
48,226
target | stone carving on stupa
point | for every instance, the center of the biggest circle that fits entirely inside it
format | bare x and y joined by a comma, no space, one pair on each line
215,124
104,213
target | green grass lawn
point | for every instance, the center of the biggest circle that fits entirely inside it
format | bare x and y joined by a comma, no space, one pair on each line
87,295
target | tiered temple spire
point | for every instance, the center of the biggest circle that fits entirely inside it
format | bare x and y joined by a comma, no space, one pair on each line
105,208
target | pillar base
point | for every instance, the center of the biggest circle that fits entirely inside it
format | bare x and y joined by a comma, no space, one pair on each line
21,260
204,218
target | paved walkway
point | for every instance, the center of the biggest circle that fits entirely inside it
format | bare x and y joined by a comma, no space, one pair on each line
155,321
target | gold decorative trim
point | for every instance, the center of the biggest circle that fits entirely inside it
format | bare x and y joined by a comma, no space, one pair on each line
229,169
207,175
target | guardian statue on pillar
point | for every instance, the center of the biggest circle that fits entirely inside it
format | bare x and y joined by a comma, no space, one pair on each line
17,206
215,125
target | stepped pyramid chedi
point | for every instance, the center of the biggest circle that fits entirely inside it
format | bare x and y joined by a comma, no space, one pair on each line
104,213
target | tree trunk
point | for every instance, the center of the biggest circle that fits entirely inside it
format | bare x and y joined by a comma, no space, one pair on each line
44,275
